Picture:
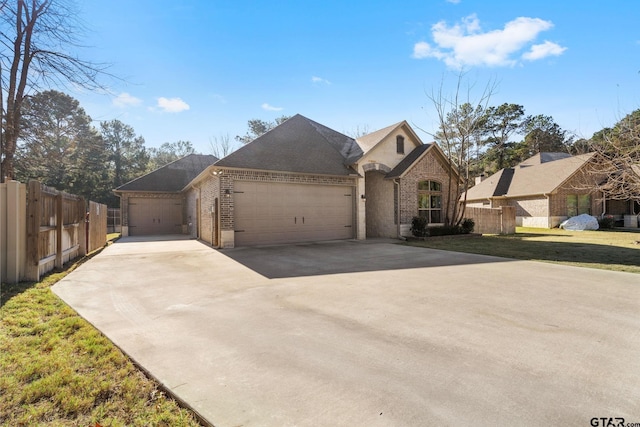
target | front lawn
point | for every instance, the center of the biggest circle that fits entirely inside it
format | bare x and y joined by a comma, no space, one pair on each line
607,250
58,370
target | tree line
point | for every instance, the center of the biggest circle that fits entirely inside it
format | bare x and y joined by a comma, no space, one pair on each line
59,146
482,139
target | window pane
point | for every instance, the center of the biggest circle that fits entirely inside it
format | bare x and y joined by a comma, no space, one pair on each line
435,216
584,204
423,201
436,202
423,214
572,205
435,186
423,185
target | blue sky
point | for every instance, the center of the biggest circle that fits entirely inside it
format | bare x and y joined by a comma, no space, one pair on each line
199,69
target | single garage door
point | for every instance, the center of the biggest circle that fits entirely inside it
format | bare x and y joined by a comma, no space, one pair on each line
268,213
148,216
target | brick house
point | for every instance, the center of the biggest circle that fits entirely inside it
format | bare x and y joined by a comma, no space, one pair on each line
304,182
545,189
155,203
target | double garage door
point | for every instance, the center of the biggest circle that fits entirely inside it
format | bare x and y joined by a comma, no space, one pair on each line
149,216
268,213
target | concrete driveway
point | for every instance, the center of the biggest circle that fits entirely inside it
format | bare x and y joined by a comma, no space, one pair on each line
368,334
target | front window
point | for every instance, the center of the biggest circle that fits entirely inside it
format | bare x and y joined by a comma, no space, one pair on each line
578,204
430,201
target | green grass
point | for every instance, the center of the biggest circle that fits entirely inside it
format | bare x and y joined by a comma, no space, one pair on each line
58,370
607,250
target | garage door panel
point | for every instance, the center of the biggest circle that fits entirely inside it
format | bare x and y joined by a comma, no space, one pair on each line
149,216
268,213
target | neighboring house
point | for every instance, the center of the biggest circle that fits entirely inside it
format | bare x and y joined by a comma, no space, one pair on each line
155,203
545,189
304,182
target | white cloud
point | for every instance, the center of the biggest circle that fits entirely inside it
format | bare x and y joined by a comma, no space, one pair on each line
319,80
125,100
172,105
268,107
465,44
540,51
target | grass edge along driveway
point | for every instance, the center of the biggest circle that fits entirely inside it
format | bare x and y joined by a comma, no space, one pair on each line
57,369
603,249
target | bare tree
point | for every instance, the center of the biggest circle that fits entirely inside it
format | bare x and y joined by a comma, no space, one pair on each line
221,146
615,167
36,38
461,122
358,131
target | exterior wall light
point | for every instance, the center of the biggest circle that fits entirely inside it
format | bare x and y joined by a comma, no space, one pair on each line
227,193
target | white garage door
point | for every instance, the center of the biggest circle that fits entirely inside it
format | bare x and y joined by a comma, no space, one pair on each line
267,213
149,216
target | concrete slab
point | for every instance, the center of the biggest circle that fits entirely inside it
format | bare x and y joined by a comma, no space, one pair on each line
291,335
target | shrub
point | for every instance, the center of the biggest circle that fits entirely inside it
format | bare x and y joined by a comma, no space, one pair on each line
419,226
467,225
607,222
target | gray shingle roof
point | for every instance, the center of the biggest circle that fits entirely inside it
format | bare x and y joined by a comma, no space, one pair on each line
408,161
531,177
172,177
297,145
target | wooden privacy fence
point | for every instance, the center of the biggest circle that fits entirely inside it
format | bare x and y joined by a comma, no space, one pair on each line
97,215
55,229
42,228
500,220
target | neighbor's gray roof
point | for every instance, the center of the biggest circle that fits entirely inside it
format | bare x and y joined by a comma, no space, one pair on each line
297,145
172,177
544,157
530,177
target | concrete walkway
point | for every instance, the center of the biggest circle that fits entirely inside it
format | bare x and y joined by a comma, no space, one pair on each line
353,334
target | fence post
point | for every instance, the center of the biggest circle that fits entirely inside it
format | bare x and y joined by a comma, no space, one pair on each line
82,229
32,271
59,227
15,231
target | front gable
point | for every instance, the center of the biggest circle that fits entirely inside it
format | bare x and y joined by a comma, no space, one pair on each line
382,147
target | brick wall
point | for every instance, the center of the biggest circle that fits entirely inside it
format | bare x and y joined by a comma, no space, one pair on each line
579,184
191,213
430,167
209,190
530,206
379,206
